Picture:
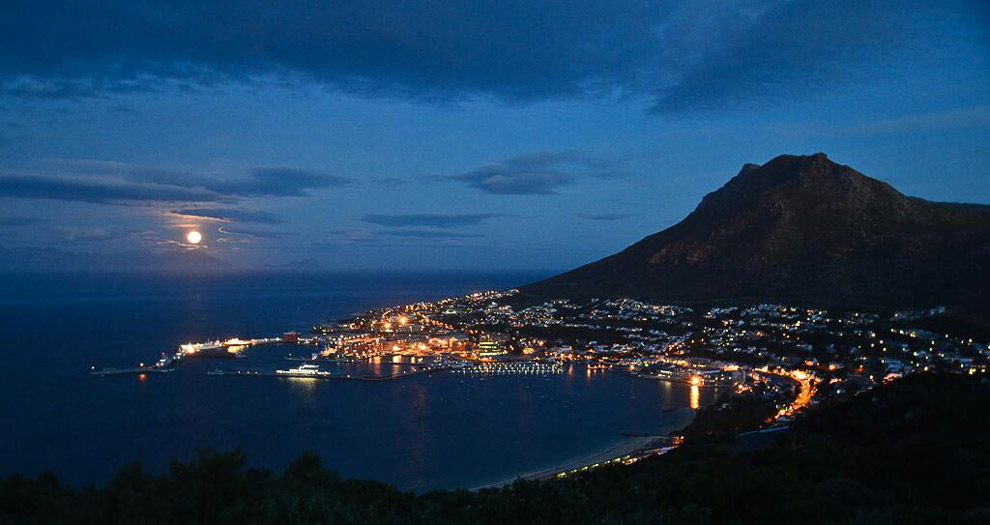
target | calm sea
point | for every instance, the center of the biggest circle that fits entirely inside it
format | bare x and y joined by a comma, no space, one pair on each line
420,433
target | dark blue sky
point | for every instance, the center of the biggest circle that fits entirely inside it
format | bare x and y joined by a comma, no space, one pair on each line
451,134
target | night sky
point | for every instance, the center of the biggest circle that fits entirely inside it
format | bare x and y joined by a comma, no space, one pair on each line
461,135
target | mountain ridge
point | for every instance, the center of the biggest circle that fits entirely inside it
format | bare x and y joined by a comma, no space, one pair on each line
801,229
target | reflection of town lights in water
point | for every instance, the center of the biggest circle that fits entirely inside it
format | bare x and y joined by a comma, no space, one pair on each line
695,397
304,385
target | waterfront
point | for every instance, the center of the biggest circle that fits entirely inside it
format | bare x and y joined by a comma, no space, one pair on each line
422,432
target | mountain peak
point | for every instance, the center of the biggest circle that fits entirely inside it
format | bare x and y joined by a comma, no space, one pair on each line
748,167
801,185
785,167
802,228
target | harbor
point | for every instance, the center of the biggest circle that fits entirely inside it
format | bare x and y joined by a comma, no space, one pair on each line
310,371
406,356
230,348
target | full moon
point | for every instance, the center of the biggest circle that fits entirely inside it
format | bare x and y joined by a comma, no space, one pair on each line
194,237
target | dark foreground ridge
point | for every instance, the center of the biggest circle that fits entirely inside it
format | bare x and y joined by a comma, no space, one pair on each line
913,451
802,229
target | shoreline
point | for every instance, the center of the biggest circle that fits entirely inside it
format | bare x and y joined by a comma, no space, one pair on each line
629,446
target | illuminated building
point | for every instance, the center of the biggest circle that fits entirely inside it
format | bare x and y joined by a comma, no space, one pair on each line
490,348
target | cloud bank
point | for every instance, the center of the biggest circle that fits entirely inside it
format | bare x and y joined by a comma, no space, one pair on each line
682,55
105,182
430,219
541,173
230,215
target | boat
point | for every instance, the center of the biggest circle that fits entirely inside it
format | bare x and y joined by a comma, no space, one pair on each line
306,370
134,370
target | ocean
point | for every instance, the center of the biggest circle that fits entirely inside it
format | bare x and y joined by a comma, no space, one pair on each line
419,433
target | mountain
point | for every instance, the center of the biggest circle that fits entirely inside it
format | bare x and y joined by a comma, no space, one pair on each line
53,259
802,229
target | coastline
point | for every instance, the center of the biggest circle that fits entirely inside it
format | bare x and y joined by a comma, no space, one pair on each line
630,446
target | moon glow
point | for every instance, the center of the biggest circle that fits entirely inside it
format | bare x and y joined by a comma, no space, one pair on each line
194,237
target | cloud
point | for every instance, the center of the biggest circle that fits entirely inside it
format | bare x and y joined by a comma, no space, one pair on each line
689,54
251,232
428,234
18,222
108,182
433,50
262,181
97,191
351,236
281,182
234,240
392,182
88,234
540,173
604,216
431,220
398,237
230,215
122,170
765,52
974,116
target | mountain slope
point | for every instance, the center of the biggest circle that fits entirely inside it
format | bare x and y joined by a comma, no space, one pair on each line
802,228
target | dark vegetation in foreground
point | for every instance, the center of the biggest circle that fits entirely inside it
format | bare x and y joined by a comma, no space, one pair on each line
915,451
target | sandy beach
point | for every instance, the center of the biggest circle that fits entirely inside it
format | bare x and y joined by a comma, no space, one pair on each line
626,447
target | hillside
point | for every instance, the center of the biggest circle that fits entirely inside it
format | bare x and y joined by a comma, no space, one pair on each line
802,229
